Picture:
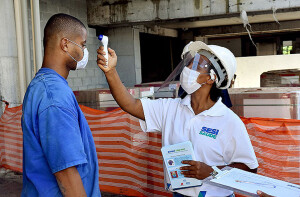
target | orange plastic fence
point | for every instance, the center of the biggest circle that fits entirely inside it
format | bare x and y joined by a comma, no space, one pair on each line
130,161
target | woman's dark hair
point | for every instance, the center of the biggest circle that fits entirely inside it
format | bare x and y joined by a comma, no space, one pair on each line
181,93
215,93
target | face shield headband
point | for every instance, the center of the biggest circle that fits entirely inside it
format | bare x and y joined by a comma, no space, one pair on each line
217,70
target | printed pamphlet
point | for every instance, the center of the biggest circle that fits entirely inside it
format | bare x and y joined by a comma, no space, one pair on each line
173,155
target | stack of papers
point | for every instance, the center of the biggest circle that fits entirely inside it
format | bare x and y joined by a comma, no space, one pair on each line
248,183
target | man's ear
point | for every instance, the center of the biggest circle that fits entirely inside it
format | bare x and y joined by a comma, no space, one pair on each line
64,44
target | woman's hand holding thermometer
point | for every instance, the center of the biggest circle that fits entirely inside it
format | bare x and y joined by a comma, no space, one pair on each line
106,58
104,40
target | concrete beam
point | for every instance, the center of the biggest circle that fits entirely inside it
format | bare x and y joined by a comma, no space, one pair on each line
234,19
237,30
186,14
157,30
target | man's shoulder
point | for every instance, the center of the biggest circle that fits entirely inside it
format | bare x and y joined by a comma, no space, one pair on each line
50,90
61,96
48,82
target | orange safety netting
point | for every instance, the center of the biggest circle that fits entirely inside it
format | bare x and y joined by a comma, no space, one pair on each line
130,161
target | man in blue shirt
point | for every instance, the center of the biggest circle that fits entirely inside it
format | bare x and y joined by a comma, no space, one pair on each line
59,154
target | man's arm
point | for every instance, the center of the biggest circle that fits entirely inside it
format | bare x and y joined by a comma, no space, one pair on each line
70,183
121,95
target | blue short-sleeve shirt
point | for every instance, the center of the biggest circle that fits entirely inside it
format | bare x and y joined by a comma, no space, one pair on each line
56,136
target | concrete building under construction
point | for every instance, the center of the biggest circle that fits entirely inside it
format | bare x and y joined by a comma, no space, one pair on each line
149,35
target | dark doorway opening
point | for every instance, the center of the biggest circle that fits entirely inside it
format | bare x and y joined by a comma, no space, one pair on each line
159,56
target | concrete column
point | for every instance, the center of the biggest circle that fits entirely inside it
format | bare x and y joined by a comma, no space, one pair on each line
137,56
26,41
125,41
9,85
37,38
20,46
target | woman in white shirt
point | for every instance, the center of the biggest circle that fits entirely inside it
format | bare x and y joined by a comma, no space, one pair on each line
218,135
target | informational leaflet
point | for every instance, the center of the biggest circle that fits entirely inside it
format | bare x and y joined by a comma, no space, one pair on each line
248,183
173,156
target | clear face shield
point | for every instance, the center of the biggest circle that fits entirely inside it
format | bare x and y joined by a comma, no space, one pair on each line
199,64
189,68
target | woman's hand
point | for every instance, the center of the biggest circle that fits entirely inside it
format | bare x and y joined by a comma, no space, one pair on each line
197,169
102,62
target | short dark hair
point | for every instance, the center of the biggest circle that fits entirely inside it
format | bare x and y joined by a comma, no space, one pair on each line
61,23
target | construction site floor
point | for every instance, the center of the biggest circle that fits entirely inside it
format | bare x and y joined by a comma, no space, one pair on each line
11,184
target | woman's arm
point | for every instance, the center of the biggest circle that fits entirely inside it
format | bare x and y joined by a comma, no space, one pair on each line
121,95
200,170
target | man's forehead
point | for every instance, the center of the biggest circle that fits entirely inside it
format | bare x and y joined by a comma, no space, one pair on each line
80,36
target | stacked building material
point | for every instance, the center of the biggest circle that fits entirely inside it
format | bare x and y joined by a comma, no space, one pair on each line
170,91
280,78
274,102
102,99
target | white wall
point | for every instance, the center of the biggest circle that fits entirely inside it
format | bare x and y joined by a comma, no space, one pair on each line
249,69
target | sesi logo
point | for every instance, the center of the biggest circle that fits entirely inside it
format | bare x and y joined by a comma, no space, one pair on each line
209,132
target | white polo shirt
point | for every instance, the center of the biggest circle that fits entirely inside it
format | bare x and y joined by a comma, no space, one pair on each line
218,135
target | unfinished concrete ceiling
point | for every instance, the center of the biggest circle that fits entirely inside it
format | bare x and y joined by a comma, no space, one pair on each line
188,13
258,17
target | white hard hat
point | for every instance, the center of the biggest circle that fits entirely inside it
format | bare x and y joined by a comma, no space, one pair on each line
222,54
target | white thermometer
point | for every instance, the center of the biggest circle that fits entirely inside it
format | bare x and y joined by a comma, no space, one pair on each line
104,40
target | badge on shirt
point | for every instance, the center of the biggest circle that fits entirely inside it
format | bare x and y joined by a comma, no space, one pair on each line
209,132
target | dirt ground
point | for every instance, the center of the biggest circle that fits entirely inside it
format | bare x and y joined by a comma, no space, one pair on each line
11,184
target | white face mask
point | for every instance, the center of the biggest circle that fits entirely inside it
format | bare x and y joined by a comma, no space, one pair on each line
188,80
83,62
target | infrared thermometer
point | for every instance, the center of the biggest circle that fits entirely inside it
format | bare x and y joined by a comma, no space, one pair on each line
104,40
